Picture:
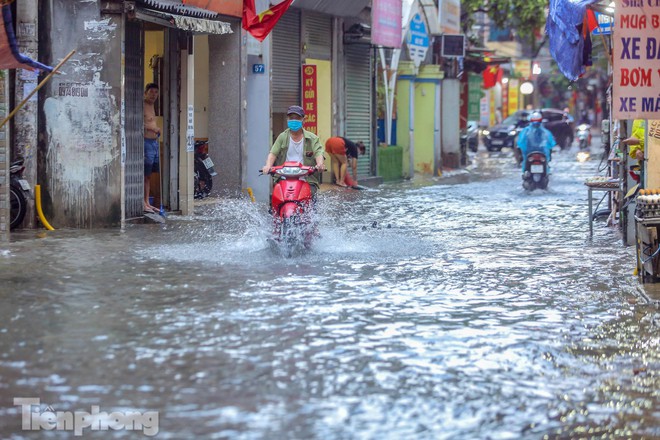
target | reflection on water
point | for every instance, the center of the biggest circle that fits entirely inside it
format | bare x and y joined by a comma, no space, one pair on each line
423,311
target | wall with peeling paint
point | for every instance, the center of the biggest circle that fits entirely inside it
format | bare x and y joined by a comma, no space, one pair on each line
228,107
80,150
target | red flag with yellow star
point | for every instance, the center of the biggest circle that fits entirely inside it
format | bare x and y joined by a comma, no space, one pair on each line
492,75
260,25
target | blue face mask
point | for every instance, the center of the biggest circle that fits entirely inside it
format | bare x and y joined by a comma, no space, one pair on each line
294,125
536,124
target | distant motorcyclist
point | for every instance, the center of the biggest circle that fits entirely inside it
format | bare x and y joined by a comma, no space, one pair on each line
535,137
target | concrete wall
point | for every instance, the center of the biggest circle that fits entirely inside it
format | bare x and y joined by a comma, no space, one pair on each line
258,113
403,119
202,90
450,132
24,124
227,107
425,116
418,118
79,151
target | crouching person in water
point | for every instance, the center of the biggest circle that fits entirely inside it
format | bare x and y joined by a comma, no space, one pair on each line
535,137
296,144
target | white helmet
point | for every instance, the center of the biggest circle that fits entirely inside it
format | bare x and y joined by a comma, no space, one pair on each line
536,117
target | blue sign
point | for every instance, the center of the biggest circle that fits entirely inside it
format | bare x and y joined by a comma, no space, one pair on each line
418,35
258,68
418,40
605,23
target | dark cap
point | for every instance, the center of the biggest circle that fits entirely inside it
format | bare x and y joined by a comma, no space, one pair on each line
296,110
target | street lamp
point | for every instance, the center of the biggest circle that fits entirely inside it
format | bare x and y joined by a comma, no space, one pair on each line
527,88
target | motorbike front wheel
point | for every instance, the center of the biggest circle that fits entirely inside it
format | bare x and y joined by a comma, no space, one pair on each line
18,206
203,181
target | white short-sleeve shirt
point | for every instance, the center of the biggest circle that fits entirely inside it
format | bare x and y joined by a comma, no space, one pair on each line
295,151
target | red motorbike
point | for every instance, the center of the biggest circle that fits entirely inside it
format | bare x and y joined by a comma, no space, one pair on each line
291,207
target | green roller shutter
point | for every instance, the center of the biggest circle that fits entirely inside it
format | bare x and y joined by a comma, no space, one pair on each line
134,120
359,102
286,62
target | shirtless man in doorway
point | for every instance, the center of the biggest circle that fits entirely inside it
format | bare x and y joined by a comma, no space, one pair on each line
151,144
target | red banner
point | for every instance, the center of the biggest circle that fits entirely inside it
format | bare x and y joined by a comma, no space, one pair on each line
464,102
310,97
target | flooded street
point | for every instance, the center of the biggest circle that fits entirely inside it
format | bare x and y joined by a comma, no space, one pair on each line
424,311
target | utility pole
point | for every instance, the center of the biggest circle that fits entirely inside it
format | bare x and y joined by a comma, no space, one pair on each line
5,219
25,123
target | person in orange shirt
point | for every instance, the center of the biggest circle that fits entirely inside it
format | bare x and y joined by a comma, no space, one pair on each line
336,148
349,157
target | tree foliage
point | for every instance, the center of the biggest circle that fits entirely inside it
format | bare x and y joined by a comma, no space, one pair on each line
525,17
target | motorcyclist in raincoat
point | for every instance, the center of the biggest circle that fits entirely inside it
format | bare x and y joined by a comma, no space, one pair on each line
535,137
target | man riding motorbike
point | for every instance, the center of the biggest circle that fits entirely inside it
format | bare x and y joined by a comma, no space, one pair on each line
535,137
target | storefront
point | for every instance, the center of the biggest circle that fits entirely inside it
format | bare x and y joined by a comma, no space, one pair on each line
342,90
91,155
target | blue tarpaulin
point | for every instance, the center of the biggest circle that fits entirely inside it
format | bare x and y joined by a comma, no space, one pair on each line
566,42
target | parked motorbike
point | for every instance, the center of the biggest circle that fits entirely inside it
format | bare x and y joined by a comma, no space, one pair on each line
204,170
291,203
583,135
19,192
535,173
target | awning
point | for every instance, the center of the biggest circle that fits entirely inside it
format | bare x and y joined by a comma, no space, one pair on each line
10,56
183,22
201,26
177,7
339,8
477,60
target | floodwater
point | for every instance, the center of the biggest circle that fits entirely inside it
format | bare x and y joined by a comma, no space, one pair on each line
424,311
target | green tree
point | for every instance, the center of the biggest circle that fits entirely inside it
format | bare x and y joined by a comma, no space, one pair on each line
526,17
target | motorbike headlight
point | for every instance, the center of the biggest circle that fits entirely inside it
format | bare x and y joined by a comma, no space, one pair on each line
485,132
291,171
513,133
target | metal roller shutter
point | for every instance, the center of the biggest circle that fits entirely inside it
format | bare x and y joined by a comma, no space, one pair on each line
134,119
317,36
359,102
286,62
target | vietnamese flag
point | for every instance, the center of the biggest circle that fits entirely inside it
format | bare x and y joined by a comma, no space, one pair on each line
260,25
492,75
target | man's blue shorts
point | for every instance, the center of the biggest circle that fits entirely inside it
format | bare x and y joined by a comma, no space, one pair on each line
151,156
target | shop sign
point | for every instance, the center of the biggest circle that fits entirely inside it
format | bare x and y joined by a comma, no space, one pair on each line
513,95
505,100
386,22
484,110
449,16
523,68
491,97
190,132
605,23
474,96
636,65
418,40
310,98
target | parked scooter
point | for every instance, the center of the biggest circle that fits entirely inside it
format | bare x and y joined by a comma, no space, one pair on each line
204,170
535,173
291,202
19,192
